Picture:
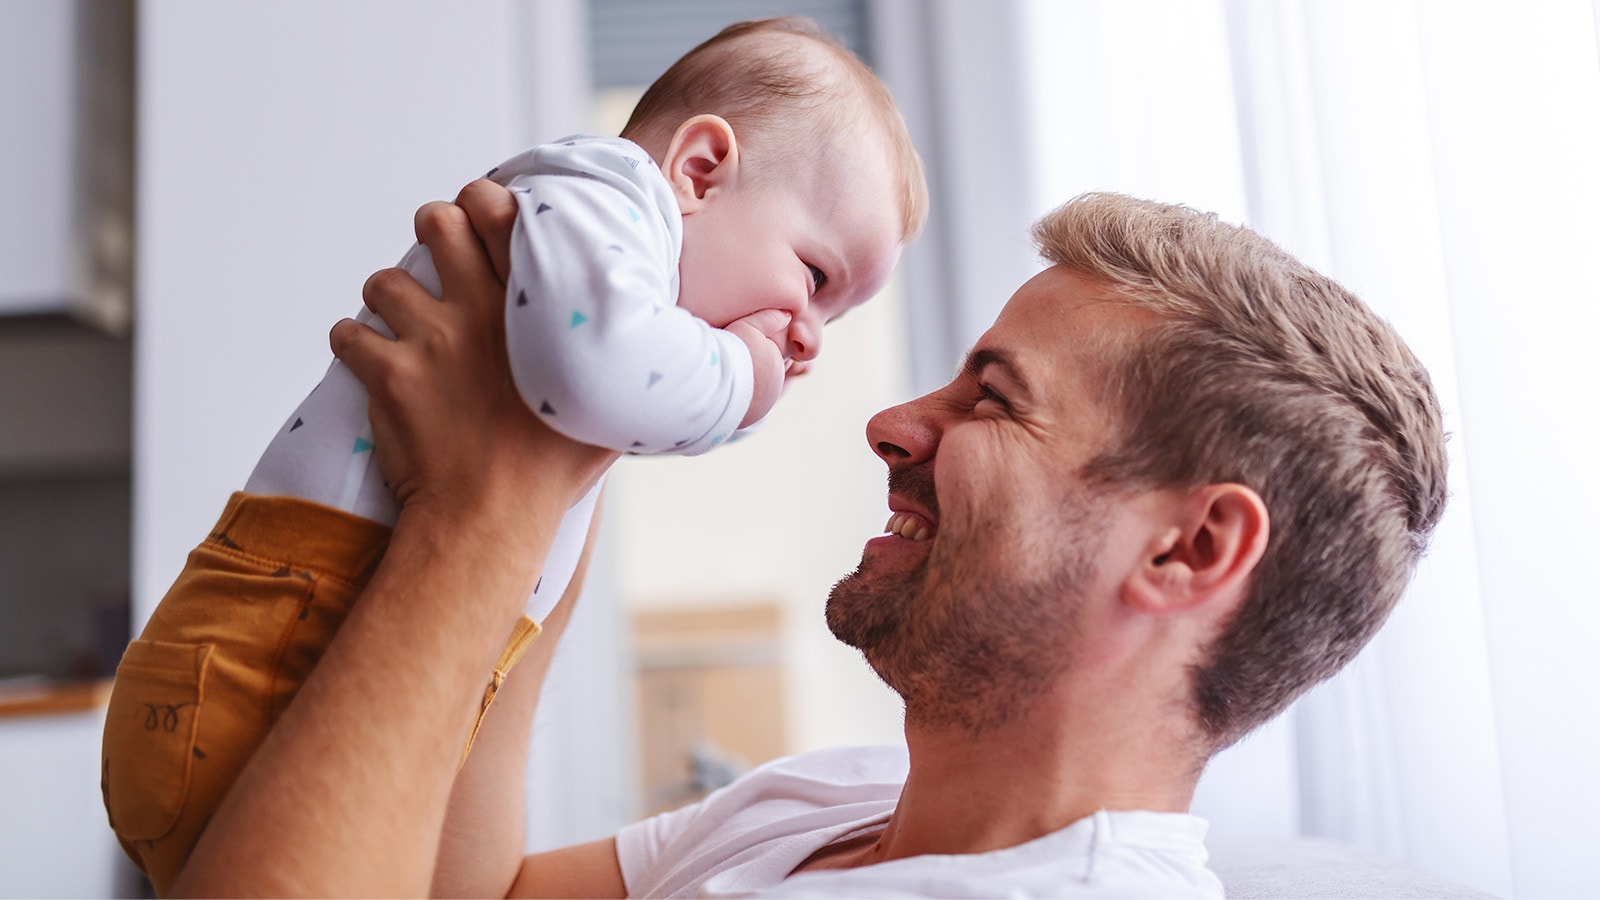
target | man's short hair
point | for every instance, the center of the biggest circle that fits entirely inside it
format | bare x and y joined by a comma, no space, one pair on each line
789,87
1260,371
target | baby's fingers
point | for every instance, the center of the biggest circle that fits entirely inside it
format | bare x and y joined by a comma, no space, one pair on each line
768,323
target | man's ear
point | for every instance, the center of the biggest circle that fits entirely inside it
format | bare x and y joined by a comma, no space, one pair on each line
703,156
1204,555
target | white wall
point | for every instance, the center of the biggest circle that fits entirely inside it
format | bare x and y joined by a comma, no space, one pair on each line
282,151
54,841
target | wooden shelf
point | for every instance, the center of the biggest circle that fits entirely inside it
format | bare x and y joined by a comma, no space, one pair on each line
51,697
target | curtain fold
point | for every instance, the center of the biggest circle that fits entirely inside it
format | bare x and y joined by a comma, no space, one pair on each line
1514,113
1343,175
957,72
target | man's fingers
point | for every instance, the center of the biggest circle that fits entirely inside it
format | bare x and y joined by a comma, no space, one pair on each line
492,210
364,351
464,267
397,298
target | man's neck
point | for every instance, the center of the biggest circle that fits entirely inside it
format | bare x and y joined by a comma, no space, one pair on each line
974,793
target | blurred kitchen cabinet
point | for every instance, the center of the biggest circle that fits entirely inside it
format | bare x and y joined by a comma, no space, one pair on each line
710,695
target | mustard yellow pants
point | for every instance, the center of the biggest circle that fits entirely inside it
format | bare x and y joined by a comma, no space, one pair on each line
222,656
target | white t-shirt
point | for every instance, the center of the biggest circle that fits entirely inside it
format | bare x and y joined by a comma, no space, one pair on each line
746,838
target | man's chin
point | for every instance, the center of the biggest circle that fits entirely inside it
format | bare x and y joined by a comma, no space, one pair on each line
866,609
842,610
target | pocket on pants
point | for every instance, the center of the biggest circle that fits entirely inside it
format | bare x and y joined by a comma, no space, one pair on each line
151,721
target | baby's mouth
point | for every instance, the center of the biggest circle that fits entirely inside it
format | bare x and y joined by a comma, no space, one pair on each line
909,526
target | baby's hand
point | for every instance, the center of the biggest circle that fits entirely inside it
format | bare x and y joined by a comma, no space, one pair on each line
764,333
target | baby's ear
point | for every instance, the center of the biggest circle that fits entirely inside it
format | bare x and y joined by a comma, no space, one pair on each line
703,156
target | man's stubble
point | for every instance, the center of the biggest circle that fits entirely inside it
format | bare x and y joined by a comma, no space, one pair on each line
965,638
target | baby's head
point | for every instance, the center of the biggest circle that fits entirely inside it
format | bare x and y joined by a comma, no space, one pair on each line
795,174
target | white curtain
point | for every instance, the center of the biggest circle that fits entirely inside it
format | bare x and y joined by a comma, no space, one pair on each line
1441,158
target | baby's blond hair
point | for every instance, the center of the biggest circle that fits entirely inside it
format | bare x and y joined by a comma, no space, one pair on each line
784,85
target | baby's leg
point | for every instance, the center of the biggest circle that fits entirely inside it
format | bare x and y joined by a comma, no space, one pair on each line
221,658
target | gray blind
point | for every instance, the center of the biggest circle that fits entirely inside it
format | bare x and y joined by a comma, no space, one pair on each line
633,41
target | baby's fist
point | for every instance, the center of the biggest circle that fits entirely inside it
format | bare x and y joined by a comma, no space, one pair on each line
764,332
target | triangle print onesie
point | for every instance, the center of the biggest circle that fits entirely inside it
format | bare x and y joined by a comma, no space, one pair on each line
599,348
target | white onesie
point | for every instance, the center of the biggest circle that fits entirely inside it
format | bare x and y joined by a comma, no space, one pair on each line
598,347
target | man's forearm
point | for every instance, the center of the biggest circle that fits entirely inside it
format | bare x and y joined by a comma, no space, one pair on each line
347,795
484,837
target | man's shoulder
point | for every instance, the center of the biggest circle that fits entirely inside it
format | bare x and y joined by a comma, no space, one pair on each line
764,823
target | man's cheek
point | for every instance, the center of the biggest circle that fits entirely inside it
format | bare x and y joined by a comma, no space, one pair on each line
984,497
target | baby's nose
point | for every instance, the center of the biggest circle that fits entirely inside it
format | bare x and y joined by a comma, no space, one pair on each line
805,339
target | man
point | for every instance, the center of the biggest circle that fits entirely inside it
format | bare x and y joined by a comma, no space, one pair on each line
1180,480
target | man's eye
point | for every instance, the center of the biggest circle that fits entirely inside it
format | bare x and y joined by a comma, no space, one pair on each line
818,279
985,392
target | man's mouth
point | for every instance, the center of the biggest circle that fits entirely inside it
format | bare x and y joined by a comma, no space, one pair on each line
909,526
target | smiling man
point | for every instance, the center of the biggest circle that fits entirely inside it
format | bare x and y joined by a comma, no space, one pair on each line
1180,480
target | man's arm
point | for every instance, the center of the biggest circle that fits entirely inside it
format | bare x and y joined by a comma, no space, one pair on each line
348,794
481,854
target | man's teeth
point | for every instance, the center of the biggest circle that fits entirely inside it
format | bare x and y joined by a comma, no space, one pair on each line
907,526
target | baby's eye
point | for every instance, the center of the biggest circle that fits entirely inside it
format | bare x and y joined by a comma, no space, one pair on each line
818,279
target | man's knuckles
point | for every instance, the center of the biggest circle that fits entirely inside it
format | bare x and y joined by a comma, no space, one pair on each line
344,336
487,204
438,220
383,286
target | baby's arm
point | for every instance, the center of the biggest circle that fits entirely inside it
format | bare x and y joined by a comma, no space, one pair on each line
598,348
761,332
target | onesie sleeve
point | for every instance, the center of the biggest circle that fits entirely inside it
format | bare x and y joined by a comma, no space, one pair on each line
598,347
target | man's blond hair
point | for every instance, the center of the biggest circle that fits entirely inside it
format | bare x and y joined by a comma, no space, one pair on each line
789,88
1260,371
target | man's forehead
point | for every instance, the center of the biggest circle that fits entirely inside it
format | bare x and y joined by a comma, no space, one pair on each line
1053,310
1060,325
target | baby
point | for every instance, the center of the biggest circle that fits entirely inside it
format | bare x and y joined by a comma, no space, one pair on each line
663,287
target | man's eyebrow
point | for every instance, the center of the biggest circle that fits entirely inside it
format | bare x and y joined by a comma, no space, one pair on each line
984,357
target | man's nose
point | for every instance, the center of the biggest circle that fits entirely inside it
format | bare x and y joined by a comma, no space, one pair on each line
903,434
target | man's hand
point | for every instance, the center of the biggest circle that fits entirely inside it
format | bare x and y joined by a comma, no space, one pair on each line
450,430
763,333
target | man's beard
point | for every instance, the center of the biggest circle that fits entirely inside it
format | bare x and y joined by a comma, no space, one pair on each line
964,644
